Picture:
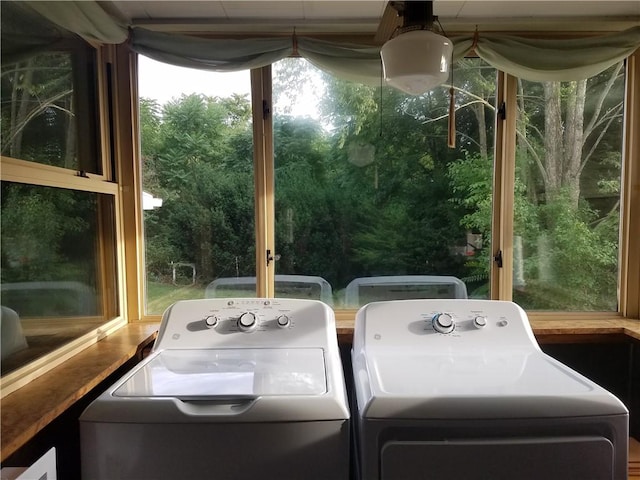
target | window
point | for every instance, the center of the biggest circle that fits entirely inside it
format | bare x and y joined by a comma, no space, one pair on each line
197,161
59,275
370,202
49,109
567,205
51,268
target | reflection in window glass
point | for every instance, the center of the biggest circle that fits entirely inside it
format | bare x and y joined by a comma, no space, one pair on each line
45,118
567,205
371,204
52,279
197,154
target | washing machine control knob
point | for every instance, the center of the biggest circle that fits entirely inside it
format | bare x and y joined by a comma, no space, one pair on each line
211,321
443,323
283,321
247,322
480,321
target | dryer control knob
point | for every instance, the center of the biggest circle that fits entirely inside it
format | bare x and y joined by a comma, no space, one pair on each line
211,321
283,321
247,322
480,321
443,323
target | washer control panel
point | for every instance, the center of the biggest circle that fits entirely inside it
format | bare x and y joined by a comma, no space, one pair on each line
443,323
211,322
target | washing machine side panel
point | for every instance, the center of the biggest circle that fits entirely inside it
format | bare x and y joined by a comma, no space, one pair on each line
296,450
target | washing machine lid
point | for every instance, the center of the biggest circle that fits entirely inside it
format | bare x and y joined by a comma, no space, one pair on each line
228,373
482,384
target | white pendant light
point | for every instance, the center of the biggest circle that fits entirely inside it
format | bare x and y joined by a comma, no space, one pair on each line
419,59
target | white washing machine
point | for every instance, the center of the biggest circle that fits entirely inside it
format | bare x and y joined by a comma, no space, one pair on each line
233,389
459,389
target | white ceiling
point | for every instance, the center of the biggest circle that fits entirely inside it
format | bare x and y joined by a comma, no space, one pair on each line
363,16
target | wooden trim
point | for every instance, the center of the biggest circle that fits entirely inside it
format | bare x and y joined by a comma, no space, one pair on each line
109,230
136,290
630,195
573,316
501,279
12,381
498,160
262,161
128,172
105,122
269,183
23,171
31,408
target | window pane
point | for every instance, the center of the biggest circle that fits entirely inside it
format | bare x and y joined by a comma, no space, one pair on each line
370,202
53,277
567,203
48,110
197,153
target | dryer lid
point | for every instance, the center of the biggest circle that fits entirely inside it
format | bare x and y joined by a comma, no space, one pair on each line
505,372
481,385
229,373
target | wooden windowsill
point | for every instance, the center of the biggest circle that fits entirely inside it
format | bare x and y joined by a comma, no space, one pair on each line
29,409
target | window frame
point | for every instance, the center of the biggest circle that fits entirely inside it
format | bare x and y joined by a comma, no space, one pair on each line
503,199
110,210
629,280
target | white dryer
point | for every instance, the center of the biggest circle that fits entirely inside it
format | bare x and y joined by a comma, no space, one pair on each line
233,389
459,389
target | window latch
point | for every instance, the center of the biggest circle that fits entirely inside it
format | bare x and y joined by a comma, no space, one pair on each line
271,258
266,111
502,111
498,258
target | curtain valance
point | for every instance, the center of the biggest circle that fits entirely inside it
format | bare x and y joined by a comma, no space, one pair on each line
528,58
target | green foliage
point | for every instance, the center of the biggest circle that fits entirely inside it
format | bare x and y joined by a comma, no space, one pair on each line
150,120
572,266
471,182
161,295
47,234
191,161
372,189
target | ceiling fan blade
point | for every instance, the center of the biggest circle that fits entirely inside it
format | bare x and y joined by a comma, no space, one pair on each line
388,23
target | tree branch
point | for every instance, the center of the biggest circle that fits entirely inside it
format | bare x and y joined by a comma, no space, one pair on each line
603,94
597,142
534,154
34,113
431,120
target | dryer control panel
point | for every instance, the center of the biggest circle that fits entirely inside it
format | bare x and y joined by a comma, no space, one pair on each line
245,322
443,324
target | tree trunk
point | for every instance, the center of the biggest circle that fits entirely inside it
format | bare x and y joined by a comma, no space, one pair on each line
478,110
20,98
71,137
563,141
574,140
553,158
